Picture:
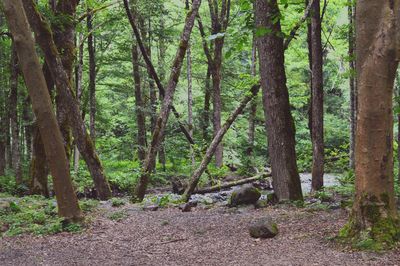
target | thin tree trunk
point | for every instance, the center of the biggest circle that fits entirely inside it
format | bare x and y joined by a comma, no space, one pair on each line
27,121
67,201
190,100
279,121
92,78
353,93
206,110
153,72
140,115
63,85
374,214
3,114
78,94
214,144
16,153
253,105
162,119
317,99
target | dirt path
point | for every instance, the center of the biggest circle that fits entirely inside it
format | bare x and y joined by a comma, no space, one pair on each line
202,237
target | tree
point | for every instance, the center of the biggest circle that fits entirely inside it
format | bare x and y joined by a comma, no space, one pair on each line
67,201
162,119
219,24
317,101
279,121
85,144
92,75
352,83
374,215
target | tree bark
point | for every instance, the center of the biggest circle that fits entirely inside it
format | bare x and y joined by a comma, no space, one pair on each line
206,110
67,201
16,153
219,23
216,140
279,121
353,92
3,115
78,94
190,101
140,115
231,184
63,85
317,99
374,213
27,120
253,105
92,77
162,119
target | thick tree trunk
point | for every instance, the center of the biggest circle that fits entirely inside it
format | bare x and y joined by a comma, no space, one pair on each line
374,213
16,153
162,119
317,99
63,85
67,201
214,144
353,92
140,115
279,121
92,78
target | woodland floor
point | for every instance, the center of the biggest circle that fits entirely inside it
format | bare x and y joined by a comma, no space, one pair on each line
205,236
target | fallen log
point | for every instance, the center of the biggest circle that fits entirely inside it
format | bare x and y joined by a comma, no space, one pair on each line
231,184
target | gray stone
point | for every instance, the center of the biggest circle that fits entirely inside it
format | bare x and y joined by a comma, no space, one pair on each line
263,228
246,194
150,208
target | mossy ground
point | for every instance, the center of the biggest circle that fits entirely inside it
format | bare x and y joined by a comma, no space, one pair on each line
36,215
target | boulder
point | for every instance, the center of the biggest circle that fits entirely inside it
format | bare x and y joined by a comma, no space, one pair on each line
263,228
150,208
246,194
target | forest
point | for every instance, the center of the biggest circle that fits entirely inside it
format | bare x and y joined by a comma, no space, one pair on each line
214,132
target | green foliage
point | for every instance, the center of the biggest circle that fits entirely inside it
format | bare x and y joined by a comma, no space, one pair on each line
117,216
117,202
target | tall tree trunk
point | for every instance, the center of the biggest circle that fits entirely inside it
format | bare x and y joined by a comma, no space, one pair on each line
78,94
140,115
353,92
253,105
317,99
219,23
39,169
92,77
206,110
27,121
3,113
63,85
67,201
161,63
190,100
162,119
16,154
216,140
279,121
374,213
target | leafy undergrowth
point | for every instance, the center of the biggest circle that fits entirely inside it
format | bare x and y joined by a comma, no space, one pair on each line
35,215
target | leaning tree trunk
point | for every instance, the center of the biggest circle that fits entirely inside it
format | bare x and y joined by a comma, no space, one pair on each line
67,201
16,155
63,85
216,140
279,121
317,106
374,213
162,119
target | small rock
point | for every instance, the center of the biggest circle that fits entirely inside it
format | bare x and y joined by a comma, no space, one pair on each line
150,208
246,194
263,228
187,207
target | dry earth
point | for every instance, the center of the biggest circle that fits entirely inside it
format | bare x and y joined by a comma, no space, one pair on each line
217,236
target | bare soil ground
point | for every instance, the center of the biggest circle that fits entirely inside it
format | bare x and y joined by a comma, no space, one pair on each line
216,236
